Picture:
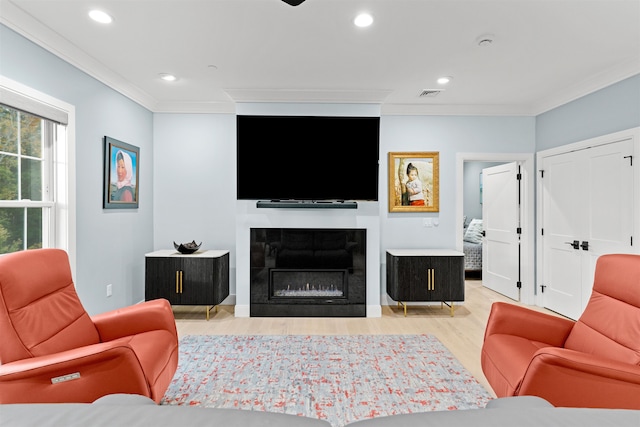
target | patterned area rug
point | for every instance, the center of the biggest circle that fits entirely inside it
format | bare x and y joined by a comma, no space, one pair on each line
340,379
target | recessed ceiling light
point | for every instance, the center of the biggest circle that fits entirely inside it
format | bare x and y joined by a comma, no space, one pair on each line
168,77
444,80
100,16
363,20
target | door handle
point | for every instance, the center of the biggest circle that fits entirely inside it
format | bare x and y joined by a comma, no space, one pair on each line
575,244
585,245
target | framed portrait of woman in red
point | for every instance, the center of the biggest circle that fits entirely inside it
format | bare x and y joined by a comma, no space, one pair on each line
121,167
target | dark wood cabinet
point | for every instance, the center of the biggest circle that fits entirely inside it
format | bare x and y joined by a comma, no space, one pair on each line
425,275
201,278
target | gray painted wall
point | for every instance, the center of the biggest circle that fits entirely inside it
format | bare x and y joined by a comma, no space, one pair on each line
471,187
194,181
110,244
448,135
206,200
187,167
608,110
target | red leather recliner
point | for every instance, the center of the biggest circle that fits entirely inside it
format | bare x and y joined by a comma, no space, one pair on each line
51,350
593,362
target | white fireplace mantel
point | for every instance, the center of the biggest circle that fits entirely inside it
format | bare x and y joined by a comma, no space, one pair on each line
248,216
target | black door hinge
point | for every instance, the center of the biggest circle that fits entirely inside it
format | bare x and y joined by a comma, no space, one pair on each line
519,177
519,230
519,285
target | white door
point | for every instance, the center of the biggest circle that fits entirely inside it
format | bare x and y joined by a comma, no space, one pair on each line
587,211
501,223
563,221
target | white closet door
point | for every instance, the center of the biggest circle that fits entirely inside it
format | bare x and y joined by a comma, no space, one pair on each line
563,221
587,199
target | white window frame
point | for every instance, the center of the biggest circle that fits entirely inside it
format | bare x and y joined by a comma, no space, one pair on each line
61,229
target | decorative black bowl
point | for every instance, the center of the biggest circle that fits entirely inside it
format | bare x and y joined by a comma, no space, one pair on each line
187,248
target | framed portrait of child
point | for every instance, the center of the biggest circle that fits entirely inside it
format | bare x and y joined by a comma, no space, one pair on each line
414,182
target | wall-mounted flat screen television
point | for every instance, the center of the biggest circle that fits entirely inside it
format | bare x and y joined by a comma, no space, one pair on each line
307,157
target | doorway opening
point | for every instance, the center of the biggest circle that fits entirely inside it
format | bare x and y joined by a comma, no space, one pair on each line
526,256
472,217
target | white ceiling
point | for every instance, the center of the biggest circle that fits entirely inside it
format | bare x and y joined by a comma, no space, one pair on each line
545,52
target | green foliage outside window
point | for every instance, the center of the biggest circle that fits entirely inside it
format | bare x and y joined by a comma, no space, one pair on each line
21,157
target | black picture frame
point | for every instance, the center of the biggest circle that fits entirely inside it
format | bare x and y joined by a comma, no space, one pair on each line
121,192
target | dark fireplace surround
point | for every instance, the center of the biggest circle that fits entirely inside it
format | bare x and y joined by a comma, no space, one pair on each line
308,272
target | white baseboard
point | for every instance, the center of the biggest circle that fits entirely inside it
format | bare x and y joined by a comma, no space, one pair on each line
374,311
242,311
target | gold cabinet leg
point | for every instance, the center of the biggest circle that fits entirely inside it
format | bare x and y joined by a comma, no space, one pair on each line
442,304
209,308
404,305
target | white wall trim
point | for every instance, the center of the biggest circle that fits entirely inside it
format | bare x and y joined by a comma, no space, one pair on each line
242,310
65,179
366,216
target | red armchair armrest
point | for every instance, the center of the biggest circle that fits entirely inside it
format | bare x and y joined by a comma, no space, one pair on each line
569,378
510,319
78,375
135,319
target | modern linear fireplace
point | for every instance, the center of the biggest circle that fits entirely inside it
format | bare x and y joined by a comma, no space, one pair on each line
308,272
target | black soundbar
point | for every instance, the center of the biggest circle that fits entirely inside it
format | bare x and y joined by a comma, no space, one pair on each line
312,204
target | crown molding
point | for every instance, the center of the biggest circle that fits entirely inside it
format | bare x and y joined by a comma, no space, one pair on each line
369,96
196,107
454,110
599,81
24,24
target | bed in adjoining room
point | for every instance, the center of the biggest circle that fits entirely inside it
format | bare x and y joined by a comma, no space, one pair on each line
472,247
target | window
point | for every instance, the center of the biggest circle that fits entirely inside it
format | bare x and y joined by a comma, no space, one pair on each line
27,207
37,174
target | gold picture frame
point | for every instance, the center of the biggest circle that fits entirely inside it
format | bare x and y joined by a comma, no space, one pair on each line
424,194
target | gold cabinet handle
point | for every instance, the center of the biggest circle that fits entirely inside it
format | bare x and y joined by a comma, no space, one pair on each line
431,279
177,282
180,281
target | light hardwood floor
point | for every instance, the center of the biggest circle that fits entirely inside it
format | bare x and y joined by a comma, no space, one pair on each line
461,334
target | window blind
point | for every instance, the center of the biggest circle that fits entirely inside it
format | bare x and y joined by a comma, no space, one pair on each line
32,106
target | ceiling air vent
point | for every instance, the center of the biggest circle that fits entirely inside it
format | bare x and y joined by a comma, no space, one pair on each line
430,93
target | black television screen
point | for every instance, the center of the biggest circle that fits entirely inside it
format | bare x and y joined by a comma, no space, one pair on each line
307,157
